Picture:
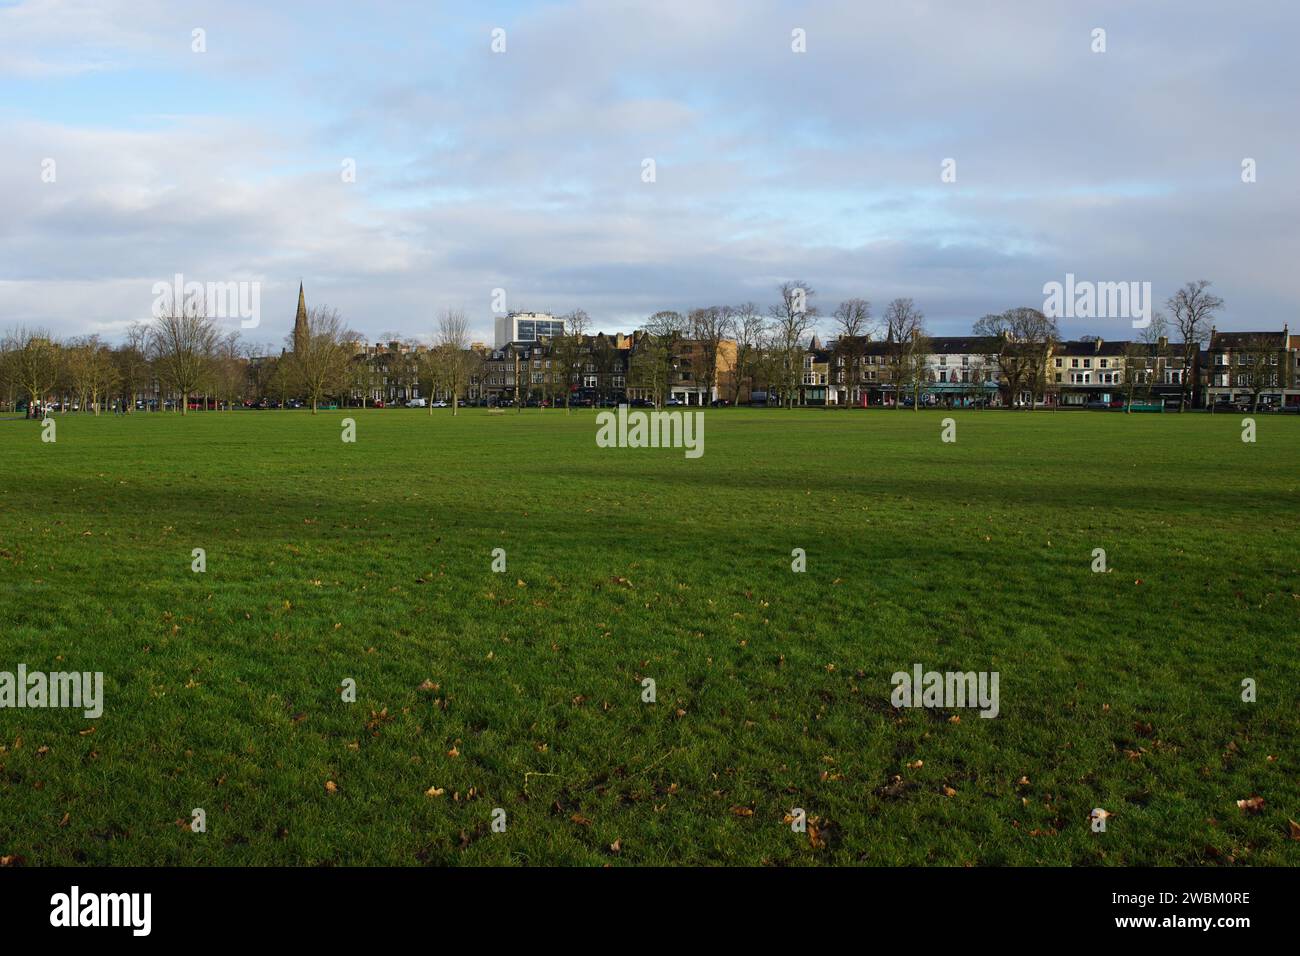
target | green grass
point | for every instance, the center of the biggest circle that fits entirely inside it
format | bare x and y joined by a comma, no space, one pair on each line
372,561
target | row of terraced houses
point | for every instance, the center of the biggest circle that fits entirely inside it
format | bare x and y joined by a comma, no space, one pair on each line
1234,369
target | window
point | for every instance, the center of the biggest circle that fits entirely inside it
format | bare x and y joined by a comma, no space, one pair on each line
1059,363
1105,363
1087,363
1074,363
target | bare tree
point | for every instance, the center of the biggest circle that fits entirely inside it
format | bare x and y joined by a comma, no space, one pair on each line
749,327
1193,308
229,369
451,360
570,353
182,341
1144,362
853,330
91,373
710,327
319,363
1037,335
1025,338
34,358
656,353
907,346
792,319
132,358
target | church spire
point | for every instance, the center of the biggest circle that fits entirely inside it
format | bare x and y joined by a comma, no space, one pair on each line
300,322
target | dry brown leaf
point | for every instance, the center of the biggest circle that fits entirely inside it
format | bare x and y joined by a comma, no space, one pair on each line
1251,804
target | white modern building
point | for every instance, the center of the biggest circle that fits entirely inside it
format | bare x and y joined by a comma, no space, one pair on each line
526,327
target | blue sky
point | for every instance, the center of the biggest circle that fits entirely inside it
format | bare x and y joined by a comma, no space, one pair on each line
522,170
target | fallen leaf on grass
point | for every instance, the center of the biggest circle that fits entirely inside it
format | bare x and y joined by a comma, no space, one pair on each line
1251,804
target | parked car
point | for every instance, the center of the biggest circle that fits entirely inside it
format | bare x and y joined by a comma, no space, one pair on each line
439,404
417,403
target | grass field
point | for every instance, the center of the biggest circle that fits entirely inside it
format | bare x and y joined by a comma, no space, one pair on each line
522,690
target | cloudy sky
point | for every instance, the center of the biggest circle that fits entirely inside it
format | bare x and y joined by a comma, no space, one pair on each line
523,170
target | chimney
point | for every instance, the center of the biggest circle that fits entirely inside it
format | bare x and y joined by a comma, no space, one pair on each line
1163,342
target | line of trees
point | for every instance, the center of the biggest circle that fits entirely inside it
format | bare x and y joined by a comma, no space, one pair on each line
180,357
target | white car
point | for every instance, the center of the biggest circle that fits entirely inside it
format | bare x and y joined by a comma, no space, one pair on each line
439,404
416,403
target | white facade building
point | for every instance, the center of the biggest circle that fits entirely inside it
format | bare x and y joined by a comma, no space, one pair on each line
526,327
